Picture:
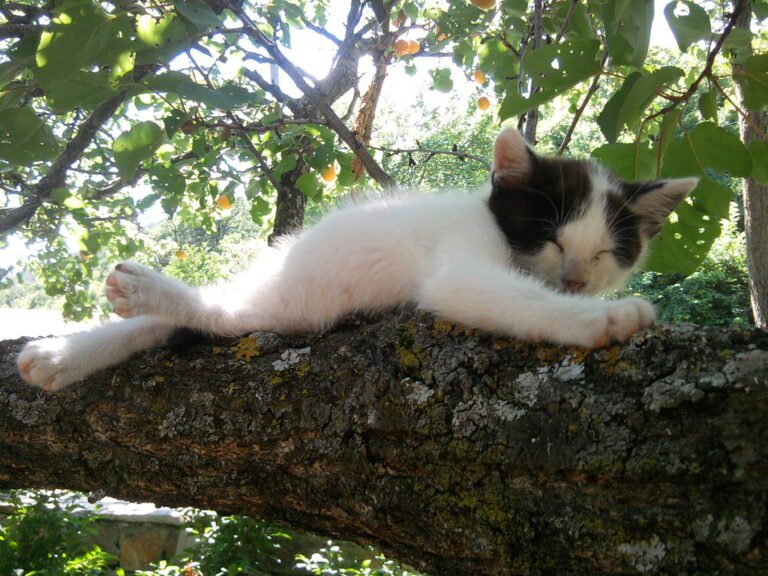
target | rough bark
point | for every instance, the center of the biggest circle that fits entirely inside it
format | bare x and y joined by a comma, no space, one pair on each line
457,452
752,127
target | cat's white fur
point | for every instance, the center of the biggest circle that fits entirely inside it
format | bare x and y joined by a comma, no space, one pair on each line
446,253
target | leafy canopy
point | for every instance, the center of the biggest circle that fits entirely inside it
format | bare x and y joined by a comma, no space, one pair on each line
114,115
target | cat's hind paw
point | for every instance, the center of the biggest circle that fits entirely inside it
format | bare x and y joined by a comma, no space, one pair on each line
129,288
44,363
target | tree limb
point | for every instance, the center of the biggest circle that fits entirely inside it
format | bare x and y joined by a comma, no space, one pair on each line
57,173
454,451
320,102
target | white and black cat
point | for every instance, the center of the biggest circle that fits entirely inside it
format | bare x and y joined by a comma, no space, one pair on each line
524,262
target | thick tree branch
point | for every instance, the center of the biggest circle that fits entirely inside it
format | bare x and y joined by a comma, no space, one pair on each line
452,450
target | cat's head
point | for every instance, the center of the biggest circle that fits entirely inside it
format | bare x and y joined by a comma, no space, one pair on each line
571,223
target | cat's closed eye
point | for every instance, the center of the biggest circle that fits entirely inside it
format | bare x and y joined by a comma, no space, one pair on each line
596,257
558,245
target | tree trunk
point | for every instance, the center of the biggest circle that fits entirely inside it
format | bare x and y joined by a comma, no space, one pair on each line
454,451
753,127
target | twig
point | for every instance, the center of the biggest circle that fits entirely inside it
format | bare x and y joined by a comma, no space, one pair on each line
433,152
583,105
566,21
748,117
709,63
318,101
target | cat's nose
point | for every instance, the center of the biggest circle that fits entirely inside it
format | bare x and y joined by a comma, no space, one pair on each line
574,286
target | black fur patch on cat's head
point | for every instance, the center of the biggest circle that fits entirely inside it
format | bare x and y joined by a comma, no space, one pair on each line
530,205
624,226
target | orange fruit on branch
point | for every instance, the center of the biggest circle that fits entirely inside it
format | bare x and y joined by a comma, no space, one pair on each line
483,103
483,4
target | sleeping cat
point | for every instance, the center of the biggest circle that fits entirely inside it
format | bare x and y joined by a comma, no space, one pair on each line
524,262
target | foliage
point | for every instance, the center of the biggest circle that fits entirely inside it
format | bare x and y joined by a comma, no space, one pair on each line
717,294
114,114
45,535
232,544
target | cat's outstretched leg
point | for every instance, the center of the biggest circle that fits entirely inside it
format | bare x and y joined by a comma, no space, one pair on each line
489,297
54,363
225,310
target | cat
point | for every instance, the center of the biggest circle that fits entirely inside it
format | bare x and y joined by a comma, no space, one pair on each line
524,261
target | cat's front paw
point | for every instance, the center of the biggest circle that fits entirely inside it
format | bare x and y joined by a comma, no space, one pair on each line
129,289
625,317
46,364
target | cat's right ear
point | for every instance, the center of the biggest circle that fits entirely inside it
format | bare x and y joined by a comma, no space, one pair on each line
512,158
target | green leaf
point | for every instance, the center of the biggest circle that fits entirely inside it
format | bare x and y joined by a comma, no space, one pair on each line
496,59
707,147
689,24
758,150
174,121
24,138
708,105
754,81
737,39
224,98
579,23
309,185
259,209
628,160
170,204
411,10
136,145
627,26
198,13
74,203
287,163
169,180
632,99
148,201
322,155
514,7
667,129
82,90
159,39
441,79
60,194
760,9
555,67
683,243
83,36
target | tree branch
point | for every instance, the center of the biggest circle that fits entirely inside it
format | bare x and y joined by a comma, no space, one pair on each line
456,452
319,102
57,173
435,152
710,62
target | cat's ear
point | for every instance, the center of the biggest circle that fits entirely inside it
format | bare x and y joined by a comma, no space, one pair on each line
653,201
512,158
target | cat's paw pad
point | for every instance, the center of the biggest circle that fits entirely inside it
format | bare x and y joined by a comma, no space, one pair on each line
127,287
628,316
43,363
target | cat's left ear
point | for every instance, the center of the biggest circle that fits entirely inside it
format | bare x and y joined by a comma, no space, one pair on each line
512,158
653,201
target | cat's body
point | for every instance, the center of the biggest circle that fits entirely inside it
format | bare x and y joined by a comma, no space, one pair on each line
522,263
